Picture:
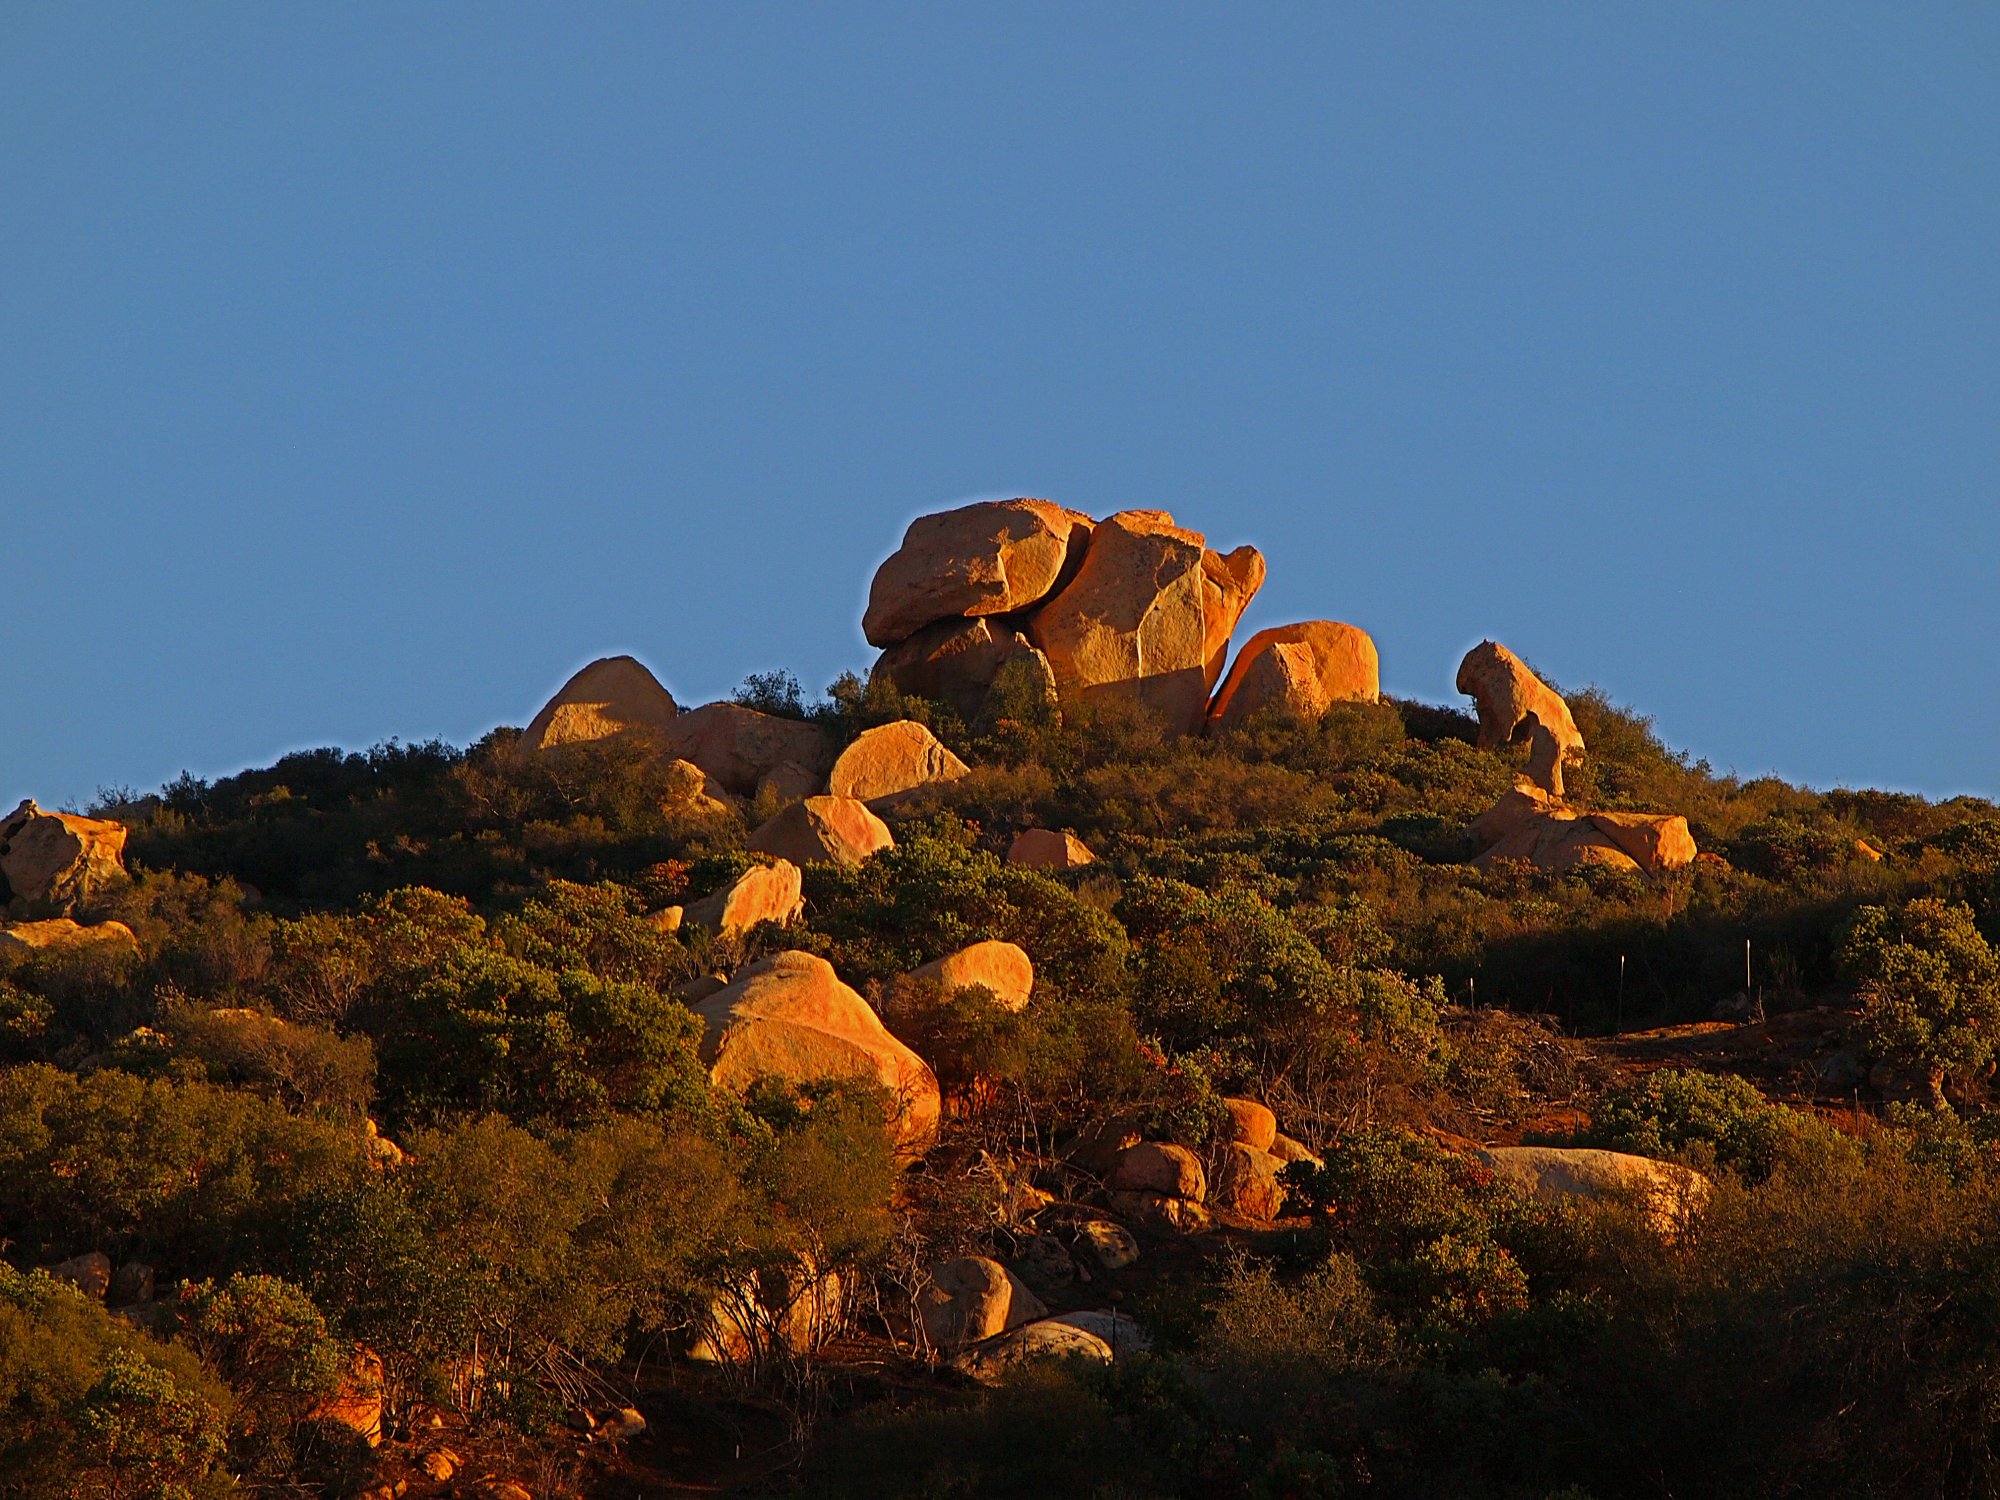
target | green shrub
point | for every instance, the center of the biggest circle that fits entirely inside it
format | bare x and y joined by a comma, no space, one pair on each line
1929,985
1716,1118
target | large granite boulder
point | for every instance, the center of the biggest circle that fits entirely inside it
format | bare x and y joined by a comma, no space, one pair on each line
1512,700
613,696
1251,1123
62,932
991,1360
1156,1167
762,893
51,861
991,558
1002,969
959,661
890,760
1245,1182
1666,1193
741,747
1528,824
1298,670
789,1017
823,830
1147,618
974,1298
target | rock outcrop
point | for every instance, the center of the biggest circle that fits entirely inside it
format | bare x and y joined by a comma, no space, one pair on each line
823,830
1298,670
1002,969
741,747
789,1017
691,788
1511,701
974,1298
762,893
890,760
51,861
1147,618
1250,1123
989,1362
1046,849
990,558
958,661
1667,1193
1245,1182
62,932
615,695
1528,824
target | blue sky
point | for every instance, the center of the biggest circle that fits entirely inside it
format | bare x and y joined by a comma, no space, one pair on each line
367,368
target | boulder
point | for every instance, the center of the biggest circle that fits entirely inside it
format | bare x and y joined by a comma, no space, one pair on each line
823,830
992,1359
1249,1122
1156,1167
130,1285
1246,1182
1121,1332
958,661
1003,969
357,1404
613,696
1667,1193
796,1308
739,747
974,1298
1111,1244
89,1273
762,893
788,781
691,788
1046,849
1044,1263
1158,1212
668,919
990,558
1288,1151
1147,618
789,1017
1528,824
62,932
51,861
1300,671
1512,699
621,1426
1654,841
891,760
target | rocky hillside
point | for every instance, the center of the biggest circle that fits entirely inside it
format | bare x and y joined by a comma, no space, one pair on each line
1065,1060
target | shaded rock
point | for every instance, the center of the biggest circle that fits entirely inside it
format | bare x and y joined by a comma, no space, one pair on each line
1003,969
739,746
1044,1263
892,759
1121,1332
989,558
789,1017
1156,1167
974,1298
958,662
762,893
1511,699
1147,618
615,695
89,1273
788,781
668,919
1299,670
1246,1182
621,1426
439,1464
1111,1244
990,1361
1667,1193
1158,1212
1251,1123
699,988
823,830
130,1284
1288,1151
383,1153
62,932
1102,1141
1045,849
51,861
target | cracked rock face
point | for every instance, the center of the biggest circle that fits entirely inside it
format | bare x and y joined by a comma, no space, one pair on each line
992,558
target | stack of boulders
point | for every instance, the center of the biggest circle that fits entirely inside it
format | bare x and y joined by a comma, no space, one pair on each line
1131,609
1245,1163
1533,822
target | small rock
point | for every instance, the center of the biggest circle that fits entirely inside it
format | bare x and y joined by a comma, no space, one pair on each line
1111,1243
1045,849
621,1426
440,1464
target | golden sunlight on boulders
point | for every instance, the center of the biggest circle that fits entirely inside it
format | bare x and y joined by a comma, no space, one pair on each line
1248,1122
1148,617
823,830
986,559
974,1298
1155,1167
762,893
1512,700
51,861
958,661
992,1361
1002,969
1668,1194
1528,824
740,747
789,1017
1046,849
1245,1182
1300,671
891,759
61,932
614,695
691,788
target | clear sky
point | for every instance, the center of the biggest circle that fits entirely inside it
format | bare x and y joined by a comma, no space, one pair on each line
365,369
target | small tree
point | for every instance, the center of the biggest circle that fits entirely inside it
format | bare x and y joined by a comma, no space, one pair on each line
1929,986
